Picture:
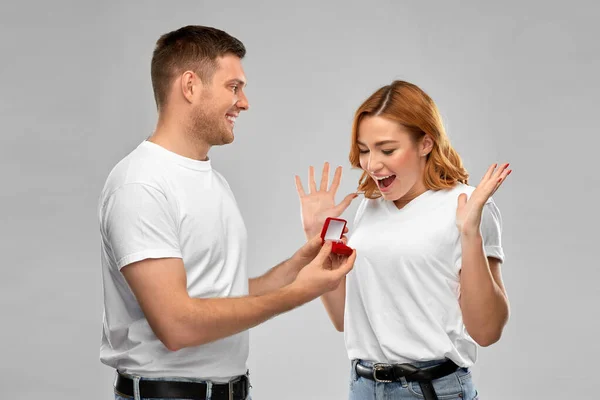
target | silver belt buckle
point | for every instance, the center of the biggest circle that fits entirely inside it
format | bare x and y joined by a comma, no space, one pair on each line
380,367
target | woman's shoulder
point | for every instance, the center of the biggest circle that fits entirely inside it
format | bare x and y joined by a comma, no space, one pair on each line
371,203
367,205
460,188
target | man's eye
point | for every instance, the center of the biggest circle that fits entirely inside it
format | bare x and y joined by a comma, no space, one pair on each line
235,88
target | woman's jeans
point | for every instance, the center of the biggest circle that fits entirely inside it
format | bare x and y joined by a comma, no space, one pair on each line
456,386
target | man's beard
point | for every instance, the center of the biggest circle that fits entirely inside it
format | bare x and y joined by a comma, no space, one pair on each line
210,128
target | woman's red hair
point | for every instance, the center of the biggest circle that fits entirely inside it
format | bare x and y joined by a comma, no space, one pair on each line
412,108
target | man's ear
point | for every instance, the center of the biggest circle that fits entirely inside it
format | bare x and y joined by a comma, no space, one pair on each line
190,85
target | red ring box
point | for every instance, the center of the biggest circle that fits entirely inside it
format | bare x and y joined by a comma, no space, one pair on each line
333,230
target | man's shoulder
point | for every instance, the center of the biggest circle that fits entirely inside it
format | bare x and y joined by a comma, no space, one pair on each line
222,180
137,167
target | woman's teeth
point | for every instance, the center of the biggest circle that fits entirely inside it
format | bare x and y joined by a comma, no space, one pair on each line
385,181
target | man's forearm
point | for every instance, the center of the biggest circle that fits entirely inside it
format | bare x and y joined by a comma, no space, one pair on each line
277,277
484,305
205,320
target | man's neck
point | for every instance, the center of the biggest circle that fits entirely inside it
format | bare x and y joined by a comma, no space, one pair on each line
176,138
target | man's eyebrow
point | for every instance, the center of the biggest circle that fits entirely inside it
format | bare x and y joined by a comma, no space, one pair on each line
238,81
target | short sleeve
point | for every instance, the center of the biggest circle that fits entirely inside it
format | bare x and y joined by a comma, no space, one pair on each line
491,230
137,222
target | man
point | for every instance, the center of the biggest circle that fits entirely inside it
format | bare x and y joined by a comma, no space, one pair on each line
178,302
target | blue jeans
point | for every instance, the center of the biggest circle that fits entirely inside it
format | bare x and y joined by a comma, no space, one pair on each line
120,396
456,386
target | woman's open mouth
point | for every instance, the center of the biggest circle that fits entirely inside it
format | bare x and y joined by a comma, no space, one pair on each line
384,182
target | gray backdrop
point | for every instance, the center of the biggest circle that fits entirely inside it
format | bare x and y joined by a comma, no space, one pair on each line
515,82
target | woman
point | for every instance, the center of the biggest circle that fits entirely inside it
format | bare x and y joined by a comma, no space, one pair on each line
426,288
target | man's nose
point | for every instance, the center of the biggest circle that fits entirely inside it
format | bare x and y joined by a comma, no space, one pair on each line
242,102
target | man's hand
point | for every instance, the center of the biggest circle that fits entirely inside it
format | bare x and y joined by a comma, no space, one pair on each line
285,273
324,273
309,251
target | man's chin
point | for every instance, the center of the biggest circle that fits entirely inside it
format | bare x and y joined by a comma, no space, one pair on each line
227,139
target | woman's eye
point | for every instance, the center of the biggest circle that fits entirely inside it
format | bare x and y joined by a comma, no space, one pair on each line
363,151
387,152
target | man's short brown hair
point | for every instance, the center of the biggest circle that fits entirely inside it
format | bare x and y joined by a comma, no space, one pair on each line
191,47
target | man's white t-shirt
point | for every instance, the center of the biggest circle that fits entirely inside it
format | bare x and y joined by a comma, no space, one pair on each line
402,297
158,204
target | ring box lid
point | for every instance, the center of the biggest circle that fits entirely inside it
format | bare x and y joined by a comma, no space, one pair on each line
333,229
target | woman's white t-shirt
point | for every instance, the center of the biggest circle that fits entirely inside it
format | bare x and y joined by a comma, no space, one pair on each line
402,297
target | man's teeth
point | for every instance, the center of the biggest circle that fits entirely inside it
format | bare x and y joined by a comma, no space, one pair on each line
230,118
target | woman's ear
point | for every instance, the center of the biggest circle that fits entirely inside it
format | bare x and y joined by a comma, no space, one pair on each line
426,145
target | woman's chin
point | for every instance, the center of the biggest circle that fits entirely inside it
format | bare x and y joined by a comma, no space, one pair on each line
392,195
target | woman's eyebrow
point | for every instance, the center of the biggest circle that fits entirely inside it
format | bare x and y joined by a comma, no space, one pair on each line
380,143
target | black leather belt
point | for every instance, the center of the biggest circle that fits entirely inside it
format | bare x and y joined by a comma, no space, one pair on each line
393,372
235,390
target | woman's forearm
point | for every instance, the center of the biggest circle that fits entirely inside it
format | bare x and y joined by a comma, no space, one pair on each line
335,303
484,305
